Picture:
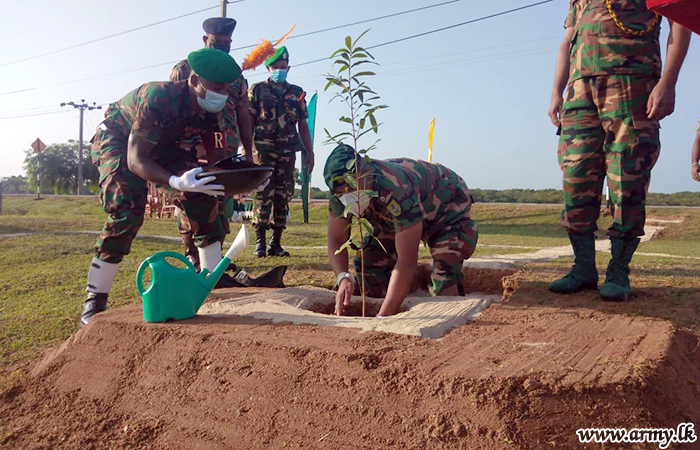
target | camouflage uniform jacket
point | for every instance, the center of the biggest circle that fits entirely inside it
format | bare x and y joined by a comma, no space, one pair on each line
276,109
158,112
600,47
412,191
237,95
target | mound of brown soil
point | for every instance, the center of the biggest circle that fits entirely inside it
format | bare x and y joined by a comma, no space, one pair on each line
518,377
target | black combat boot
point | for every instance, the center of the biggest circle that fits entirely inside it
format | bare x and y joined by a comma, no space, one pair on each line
95,303
260,249
583,275
275,243
617,282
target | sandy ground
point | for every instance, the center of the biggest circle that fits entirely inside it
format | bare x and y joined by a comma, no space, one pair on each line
526,374
520,376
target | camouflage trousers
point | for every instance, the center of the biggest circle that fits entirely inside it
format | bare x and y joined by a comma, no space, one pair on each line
448,247
271,205
605,131
124,194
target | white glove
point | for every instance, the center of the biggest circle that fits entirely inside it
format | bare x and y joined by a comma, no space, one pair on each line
261,186
188,182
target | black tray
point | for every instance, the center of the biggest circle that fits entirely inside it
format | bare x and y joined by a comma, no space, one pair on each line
238,181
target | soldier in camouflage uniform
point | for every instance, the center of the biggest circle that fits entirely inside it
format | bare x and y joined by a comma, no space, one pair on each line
416,201
610,63
236,121
277,108
139,141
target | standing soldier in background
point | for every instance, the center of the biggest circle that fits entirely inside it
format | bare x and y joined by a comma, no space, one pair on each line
610,63
236,121
276,108
140,141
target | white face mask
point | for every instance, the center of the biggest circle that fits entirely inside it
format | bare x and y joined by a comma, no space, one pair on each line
350,198
213,101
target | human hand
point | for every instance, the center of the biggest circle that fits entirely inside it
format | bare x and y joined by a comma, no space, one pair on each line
343,296
694,172
554,111
309,163
189,182
261,186
662,101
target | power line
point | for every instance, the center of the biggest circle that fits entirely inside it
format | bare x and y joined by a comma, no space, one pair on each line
234,49
307,62
111,36
441,29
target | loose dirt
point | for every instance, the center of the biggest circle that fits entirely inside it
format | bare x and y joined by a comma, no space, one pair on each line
521,376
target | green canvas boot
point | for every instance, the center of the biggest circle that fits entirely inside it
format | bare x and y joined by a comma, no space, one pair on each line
583,275
617,282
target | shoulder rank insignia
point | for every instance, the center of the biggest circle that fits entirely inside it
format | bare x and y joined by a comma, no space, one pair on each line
394,208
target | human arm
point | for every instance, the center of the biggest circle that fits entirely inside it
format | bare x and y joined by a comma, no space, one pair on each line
139,161
245,128
561,77
407,243
663,97
305,134
338,234
695,169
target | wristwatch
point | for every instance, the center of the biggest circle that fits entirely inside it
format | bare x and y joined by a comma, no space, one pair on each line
342,275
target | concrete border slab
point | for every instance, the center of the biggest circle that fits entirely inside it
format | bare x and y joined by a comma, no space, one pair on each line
424,316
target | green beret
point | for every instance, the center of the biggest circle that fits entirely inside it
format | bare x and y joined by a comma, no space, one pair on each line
214,65
336,164
280,53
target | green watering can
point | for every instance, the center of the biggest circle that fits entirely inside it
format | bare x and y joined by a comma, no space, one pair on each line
178,292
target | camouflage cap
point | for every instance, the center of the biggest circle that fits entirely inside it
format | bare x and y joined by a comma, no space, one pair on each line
280,54
219,25
336,164
214,65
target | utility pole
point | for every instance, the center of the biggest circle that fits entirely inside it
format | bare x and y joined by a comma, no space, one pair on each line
223,8
82,107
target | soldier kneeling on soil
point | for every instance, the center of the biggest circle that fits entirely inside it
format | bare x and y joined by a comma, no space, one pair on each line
140,141
415,201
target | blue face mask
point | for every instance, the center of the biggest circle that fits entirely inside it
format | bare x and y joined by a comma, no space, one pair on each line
213,101
279,75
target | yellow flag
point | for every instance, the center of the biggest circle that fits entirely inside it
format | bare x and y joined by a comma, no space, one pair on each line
430,140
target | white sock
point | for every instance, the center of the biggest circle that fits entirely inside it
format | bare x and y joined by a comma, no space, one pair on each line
101,276
210,256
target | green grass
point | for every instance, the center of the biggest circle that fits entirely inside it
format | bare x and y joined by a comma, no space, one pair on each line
42,281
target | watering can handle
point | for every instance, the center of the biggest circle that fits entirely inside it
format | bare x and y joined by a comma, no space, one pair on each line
146,263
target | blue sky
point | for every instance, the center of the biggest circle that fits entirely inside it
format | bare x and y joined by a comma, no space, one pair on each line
487,84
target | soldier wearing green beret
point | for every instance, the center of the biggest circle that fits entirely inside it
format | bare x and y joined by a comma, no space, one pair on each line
416,201
140,141
277,109
609,61
236,118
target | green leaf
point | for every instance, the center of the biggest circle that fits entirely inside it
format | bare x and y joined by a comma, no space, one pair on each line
373,121
364,74
344,246
380,244
362,123
345,119
348,41
350,164
367,226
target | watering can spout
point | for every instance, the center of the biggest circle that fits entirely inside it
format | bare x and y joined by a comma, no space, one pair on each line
239,244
